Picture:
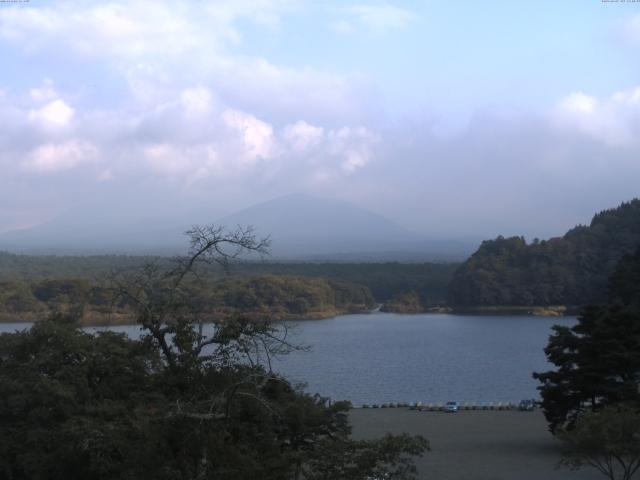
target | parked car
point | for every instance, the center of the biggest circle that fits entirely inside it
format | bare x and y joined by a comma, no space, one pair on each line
451,407
526,405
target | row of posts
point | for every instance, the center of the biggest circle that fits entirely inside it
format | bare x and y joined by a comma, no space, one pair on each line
439,407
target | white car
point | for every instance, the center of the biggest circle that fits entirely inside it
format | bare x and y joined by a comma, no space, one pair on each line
451,407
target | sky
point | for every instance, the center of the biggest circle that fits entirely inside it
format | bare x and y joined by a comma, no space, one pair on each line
455,119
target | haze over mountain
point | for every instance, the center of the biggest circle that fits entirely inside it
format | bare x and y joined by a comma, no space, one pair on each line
303,226
67,235
300,227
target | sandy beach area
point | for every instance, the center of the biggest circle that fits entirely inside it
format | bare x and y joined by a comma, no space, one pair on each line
475,445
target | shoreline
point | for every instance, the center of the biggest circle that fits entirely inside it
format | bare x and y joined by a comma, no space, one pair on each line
523,310
96,319
531,310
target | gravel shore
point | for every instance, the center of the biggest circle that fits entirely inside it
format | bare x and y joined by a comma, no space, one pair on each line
475,445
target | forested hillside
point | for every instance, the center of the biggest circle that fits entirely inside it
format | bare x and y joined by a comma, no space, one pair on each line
569,270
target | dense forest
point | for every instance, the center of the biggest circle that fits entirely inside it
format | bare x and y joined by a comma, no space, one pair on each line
32,286
267,296
404,303
39,267
570,270
428,280
385,280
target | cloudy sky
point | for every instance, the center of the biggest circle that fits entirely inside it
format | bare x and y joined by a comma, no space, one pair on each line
466,118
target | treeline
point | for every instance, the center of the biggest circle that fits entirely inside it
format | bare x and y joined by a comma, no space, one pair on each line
408,302
285,296
267,296
385,280
40,267
570,270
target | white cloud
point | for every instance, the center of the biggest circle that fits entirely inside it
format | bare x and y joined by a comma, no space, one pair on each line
54,157
131,30
303,136
354,147
196,100
375,18
262,12
44,93
190,138
157,90
210,165
191,163
627,97
54,114
614,120
166,158
257,136
160,47
578,103
121,30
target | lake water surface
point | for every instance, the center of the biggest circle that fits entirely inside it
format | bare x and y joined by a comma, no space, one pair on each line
383,357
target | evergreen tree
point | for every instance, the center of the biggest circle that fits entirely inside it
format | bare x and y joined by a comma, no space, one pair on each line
598,359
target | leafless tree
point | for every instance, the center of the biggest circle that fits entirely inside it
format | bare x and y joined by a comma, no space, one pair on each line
164,304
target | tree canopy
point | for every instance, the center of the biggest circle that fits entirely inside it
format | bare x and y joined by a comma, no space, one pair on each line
186,401
570,270
608,440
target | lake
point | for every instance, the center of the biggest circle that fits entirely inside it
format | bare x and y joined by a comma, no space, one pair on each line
384,357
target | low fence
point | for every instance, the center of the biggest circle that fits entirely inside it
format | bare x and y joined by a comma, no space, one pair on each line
441,407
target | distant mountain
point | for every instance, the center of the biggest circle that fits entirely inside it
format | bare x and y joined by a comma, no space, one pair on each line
570,270
302,226
73,235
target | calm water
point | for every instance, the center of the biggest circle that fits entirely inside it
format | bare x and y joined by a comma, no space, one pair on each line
381,357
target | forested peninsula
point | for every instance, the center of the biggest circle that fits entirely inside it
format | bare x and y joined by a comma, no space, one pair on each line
571,270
